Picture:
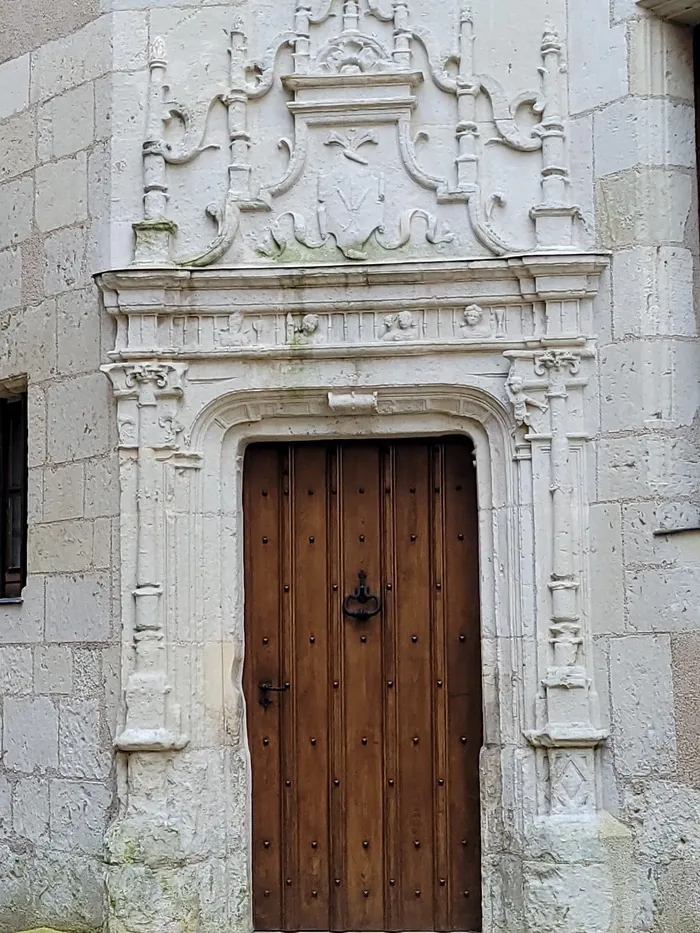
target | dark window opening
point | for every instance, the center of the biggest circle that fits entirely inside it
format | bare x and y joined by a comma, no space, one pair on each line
13,495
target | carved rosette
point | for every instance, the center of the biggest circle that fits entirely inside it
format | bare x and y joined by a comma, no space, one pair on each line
148,396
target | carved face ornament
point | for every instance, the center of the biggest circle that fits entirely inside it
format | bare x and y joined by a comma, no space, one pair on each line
473,315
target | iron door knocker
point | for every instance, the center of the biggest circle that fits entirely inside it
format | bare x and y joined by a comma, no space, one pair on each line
369,604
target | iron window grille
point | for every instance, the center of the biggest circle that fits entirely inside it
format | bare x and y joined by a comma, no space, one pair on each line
13,495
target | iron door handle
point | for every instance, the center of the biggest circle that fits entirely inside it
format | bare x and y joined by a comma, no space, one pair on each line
369,604
266,688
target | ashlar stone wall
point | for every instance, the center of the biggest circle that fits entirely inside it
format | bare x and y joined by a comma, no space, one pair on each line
60,649
631,79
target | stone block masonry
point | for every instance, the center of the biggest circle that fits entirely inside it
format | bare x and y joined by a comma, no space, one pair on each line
59,661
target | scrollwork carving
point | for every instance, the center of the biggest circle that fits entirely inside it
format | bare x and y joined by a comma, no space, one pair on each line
339,84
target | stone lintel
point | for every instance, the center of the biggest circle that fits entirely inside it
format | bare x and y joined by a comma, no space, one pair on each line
678,11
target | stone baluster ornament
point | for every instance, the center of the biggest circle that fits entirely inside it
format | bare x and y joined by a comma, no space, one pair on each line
302,44
402,36
154,231
467,92
554,217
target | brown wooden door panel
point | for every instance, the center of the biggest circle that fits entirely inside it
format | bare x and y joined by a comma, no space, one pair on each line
365,772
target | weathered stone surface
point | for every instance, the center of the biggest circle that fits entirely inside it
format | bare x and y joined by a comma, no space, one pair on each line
73,59
30,734
79,813
66,260
78,608
17,145
66,124
644,738
53,669
16,210
77,429
30,809
61,193
83,749
11,273
16,675
14,80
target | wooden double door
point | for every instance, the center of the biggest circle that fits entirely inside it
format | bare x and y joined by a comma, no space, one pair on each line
363,685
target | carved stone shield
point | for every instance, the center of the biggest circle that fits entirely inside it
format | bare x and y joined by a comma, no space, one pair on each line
351,209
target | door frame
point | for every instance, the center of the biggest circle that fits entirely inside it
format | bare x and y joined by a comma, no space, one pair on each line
508,779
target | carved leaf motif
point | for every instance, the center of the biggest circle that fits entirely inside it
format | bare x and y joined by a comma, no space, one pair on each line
352,53
351,141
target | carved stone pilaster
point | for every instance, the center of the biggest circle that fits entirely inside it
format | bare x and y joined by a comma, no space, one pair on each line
148,395
566,726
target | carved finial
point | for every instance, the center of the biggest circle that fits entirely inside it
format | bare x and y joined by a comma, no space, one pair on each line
550,40
157,54
238,27
467,15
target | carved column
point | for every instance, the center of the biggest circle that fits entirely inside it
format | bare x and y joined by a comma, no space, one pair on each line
302,43
148,395
402,36
351,16
554,217
467,92
236,102
154,231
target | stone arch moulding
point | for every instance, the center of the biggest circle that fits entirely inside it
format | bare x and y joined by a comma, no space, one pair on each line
206,362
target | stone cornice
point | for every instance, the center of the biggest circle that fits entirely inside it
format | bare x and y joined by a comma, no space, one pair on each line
358,275
373,309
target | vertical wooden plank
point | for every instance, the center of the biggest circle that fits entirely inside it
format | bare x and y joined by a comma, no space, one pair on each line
439,691
414,686
391,760
291,881
310,694
261,507
464,685
364,734
337,714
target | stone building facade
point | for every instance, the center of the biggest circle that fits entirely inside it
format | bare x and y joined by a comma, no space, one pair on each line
224,223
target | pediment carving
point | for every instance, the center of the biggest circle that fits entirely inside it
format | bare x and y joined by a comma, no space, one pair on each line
367,176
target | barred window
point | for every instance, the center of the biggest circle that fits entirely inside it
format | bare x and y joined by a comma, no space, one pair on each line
13,495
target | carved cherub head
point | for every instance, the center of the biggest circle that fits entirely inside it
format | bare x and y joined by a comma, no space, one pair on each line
473,315
309,324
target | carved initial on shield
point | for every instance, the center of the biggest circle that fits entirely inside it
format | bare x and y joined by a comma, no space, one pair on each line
351,209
